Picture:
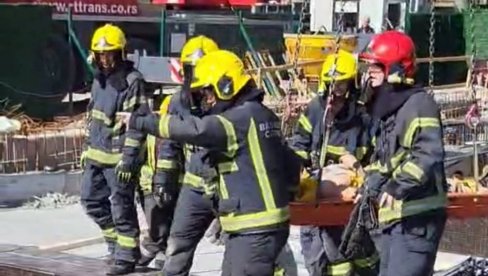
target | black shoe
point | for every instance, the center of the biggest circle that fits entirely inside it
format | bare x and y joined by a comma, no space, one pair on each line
121,268
145,260
109,259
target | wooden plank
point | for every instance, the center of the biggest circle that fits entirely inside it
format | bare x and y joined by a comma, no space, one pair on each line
71,244
461,206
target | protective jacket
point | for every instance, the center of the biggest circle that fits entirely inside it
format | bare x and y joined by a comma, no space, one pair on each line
409,154
150,171
346,134
254,165
196,170
121,91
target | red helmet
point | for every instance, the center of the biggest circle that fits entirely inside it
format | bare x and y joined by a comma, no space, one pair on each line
394,50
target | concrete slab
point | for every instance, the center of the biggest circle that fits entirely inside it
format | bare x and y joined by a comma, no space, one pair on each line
45,227
42,227
16,189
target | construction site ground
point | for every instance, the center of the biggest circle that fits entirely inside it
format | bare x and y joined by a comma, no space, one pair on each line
69,230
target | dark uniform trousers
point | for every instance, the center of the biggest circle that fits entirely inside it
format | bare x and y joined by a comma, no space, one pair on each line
320,247
159,221
408,247
253,254
193,215
116,217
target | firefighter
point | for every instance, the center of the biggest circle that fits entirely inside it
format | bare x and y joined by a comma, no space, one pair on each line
345,146
108,189
158,200
196,205
407,170
256,169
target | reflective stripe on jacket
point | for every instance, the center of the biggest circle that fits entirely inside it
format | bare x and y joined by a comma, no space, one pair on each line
107,135
344,137
409,159
254,163
196,170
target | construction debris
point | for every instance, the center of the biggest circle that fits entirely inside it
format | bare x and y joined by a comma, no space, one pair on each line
52,200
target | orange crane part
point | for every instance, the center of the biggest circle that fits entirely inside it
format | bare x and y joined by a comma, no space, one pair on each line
332,213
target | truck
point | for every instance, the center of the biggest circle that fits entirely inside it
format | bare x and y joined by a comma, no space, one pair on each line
157,27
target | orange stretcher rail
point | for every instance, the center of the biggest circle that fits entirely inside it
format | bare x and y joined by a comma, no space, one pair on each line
328,213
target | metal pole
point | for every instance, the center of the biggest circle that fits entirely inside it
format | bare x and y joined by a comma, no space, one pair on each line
162,32
70,43
475,157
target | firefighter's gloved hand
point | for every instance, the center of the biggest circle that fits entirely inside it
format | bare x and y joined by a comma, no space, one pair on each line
214,233
124,172
163,195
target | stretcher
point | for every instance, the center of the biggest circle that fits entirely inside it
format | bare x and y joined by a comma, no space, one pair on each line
336,212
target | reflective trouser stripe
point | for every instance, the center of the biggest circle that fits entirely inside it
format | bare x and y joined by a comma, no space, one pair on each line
109,234
103,157
128,242
279,271
340,269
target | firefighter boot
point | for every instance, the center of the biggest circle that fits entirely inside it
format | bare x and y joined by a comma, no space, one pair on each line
145,260
121,268
109,259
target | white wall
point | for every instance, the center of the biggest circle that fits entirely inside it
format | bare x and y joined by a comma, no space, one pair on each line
375,9
321,14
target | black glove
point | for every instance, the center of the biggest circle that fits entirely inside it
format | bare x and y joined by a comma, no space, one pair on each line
164,195
124,172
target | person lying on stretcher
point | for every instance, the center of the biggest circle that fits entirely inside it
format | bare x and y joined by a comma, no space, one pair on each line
339,182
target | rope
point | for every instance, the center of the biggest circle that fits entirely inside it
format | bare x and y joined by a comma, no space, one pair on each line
37,94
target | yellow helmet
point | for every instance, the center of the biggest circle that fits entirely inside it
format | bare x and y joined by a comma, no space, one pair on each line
196,48
345,68
222,70
108,38
163,108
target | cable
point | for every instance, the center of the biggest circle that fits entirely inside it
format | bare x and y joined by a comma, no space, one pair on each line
39,95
